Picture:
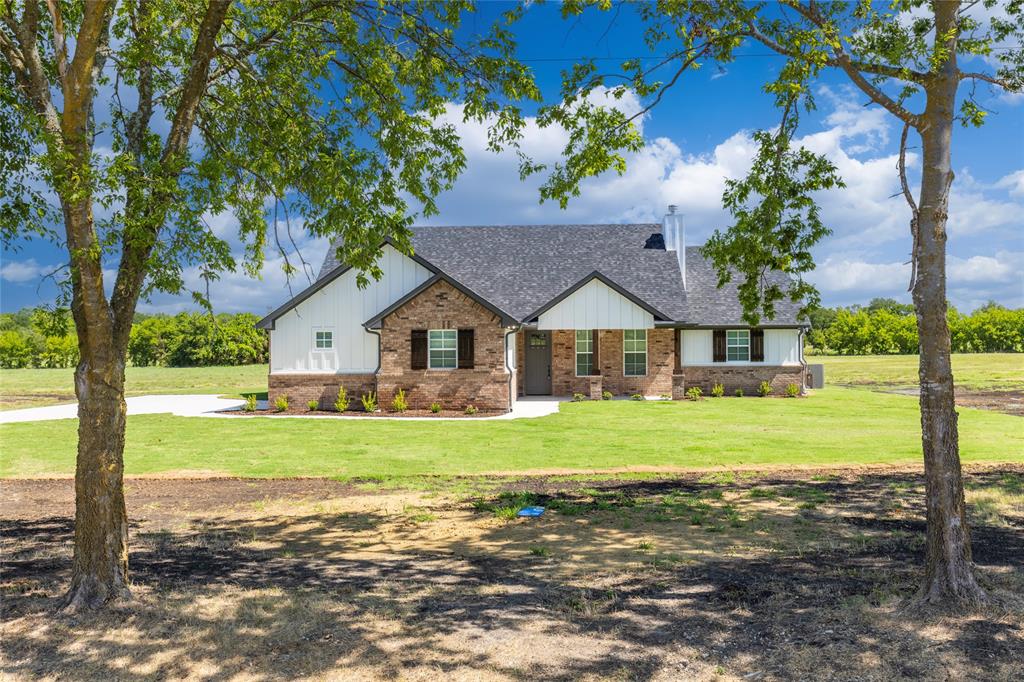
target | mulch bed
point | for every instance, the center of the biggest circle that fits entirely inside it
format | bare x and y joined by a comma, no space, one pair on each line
292,411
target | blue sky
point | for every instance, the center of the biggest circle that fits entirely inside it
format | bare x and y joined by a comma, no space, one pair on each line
696,138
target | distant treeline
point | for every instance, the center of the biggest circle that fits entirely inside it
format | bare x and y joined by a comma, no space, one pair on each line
42,338
887,327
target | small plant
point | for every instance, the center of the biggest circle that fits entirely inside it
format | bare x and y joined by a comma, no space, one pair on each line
313,404
250,403
739,392
399,403
281,403
792,390
341,404
694,393
636,396
369,401
717,391
764,389
471,409
606,395
540,551
435,407
665,396
644,546
578,397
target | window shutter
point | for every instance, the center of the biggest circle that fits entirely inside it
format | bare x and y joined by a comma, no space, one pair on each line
757,345
718,346
595,347
419,349
466,349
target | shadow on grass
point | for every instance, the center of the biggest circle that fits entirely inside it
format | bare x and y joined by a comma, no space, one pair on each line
274,598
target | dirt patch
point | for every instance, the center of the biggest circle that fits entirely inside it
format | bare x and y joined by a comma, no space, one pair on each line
720,575
17,401
1010,402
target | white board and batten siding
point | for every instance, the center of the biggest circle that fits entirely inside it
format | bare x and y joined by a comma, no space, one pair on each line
341,307
595,305
781,347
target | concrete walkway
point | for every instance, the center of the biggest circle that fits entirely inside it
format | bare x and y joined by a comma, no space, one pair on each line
231,408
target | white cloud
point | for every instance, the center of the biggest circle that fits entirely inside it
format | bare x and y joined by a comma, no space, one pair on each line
21,272
845,275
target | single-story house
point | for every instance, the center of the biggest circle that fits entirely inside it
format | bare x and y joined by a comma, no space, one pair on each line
482,315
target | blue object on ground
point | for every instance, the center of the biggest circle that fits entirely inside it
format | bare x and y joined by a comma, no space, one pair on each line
531,511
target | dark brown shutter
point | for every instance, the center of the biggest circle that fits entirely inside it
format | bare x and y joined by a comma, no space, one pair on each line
677,346
718,346
757,345
465,349
595,347
419,349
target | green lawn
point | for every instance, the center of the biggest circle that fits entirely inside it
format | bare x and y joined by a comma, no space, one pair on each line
972,371
833,426
31,387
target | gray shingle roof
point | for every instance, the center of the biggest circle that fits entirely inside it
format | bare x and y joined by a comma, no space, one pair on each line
520,268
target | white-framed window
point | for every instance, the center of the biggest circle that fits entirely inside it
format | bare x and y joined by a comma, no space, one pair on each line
442,348
737,345
634,352
584,352
323,340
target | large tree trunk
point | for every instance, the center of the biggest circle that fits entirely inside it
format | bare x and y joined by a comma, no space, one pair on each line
100,571
949,572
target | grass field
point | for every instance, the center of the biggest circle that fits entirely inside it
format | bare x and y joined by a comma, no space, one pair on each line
971,371
833,426
34,387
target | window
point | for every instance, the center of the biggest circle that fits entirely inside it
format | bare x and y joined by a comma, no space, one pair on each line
634,350
584,352
737,345
323,340
442,347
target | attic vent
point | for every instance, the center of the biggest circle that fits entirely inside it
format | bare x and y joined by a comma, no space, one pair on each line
655,241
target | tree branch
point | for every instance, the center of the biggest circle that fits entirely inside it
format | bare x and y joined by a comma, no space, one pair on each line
138,241
60,47
844,62
914,214
965,75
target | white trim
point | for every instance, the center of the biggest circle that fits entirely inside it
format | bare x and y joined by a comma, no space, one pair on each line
323,330
646,351
736,362
456,349
576,348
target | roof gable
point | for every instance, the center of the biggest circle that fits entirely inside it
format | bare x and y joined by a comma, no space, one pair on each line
596,302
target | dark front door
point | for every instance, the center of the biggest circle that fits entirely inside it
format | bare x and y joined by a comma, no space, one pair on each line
538,363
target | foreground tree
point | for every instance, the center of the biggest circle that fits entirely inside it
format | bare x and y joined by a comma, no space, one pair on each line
125,125
903,56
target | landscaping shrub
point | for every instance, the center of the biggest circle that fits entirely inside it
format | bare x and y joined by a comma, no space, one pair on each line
739,392
694,393
578,397
471,409
399,403
435,407
341,403
717,391
636,396
281,404
606,395
665,396
764,389
369,401
313,405
792,390
250,403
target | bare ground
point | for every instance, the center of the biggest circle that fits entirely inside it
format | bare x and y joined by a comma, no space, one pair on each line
772,575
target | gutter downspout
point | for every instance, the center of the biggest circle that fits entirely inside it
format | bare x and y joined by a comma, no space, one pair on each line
511,375
380,357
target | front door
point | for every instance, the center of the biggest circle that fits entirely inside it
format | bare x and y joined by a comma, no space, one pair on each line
538,363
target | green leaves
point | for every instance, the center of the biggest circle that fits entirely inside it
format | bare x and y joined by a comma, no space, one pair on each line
776,222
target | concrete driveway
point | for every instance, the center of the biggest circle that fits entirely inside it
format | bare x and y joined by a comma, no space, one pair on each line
212,406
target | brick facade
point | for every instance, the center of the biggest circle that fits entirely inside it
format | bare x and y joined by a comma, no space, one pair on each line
660,361
746,377
301,388
441,306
